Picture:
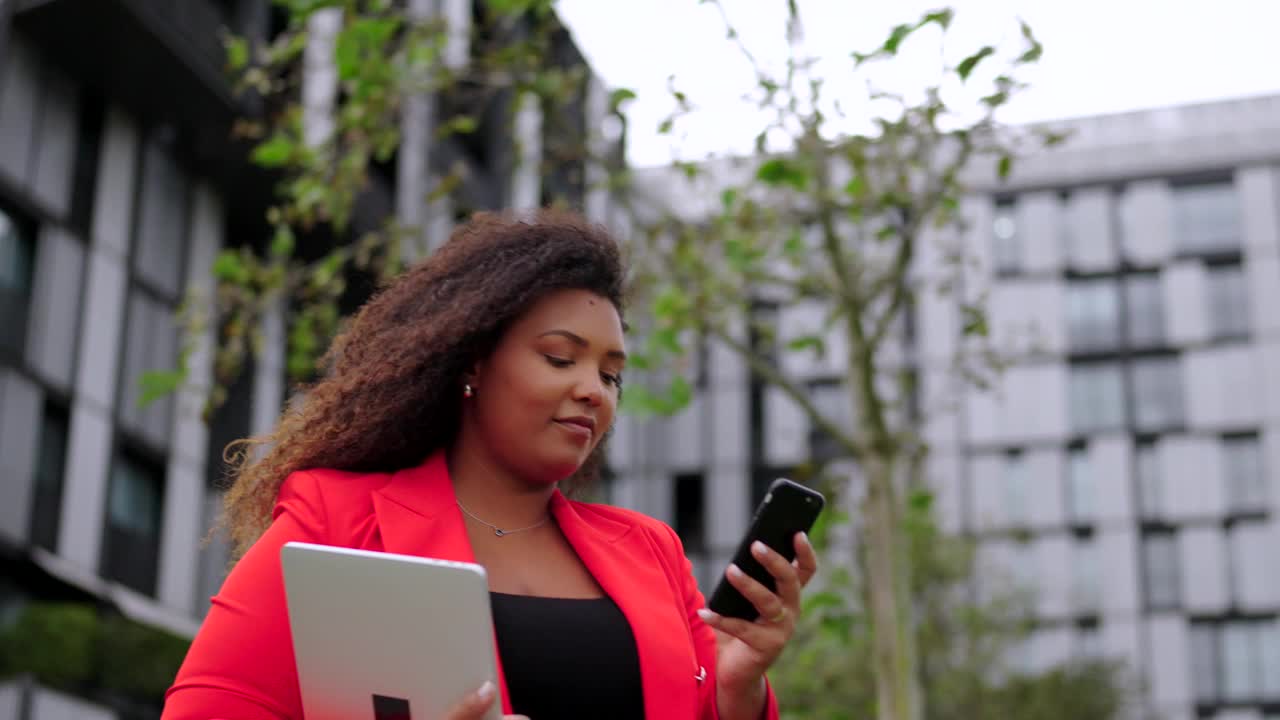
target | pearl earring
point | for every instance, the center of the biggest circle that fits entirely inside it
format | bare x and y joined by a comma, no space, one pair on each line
467,391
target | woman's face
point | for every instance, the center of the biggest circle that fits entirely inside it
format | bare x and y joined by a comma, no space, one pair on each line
547,394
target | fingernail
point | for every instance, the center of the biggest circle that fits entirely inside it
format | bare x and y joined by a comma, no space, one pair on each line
805,537
706,615
758,548
486,691
735,571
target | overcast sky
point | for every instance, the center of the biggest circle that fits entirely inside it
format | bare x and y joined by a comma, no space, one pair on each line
1101,56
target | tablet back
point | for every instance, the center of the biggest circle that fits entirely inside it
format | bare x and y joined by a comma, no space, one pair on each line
386,637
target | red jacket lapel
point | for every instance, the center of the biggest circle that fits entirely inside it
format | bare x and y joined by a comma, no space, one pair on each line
625,562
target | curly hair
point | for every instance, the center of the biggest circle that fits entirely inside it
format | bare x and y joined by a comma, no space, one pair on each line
391,396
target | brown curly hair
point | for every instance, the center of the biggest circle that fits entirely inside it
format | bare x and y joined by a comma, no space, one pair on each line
392,395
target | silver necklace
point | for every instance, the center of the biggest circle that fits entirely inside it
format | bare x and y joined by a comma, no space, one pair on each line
497,530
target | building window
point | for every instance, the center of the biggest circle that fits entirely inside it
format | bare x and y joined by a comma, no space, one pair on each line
1157,393
1089,642
1242,468
51,463
1093,314
690,511
1086,589
1236,661
130,548
1204,662
1144,309
1147,468
1160,570
17,249
1006,252
1228,302
1015,489
1080,505
1097,397
1206,218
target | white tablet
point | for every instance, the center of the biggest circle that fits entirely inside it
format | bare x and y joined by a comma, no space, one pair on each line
386,637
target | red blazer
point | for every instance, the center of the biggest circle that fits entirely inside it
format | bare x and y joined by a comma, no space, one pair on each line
241,664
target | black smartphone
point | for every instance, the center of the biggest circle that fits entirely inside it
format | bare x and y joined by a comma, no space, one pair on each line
787,508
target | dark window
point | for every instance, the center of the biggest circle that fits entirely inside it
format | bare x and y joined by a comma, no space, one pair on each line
1228,302
17,249
1242,468
1097,397
1006,251
1236,661
1093,314
1157,393
690,511
130,548
1160,570
1204,662
51,463
1144,309
1207,218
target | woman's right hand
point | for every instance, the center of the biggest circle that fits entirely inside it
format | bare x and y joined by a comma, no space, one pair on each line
473,706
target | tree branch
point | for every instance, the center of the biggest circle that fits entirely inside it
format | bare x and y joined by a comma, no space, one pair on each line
789,387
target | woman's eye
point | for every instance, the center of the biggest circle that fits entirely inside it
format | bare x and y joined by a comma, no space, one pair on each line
558,361
615,380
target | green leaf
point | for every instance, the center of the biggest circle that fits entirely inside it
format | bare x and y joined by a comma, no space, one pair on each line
1004,166
856,187
809,342
967,65
794,246
155,384
274,152
974,320
228,267
620,96
920,500
781,171
282,243
237,53
664,128
728,198
1035,49
459,125
942,18
899,33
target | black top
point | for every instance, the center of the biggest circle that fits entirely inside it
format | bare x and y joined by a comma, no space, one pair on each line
567,658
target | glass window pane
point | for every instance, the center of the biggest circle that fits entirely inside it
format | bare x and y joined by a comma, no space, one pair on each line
135,499
1206,217
1087,579
17,248
1005,250
1228,302
1080,485
1150,496
1015,489
1157,393
1093,314
1242,468
1204,662
46,509
1145,309
1270,659
1239,661
1160,565
1097,397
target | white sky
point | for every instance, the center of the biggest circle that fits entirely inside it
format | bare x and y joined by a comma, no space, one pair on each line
1101,56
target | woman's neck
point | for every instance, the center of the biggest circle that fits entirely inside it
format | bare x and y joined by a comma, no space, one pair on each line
492,492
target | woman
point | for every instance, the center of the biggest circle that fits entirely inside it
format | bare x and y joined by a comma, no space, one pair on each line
459,401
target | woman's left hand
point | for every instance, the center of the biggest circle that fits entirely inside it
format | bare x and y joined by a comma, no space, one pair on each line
748,649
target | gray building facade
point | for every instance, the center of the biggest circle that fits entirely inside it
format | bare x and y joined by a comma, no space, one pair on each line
120,181
1124,466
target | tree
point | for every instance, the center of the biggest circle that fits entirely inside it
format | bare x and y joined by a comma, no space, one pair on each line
836,221
833,220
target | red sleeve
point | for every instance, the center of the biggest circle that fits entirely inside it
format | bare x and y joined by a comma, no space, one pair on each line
241,665
704,640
